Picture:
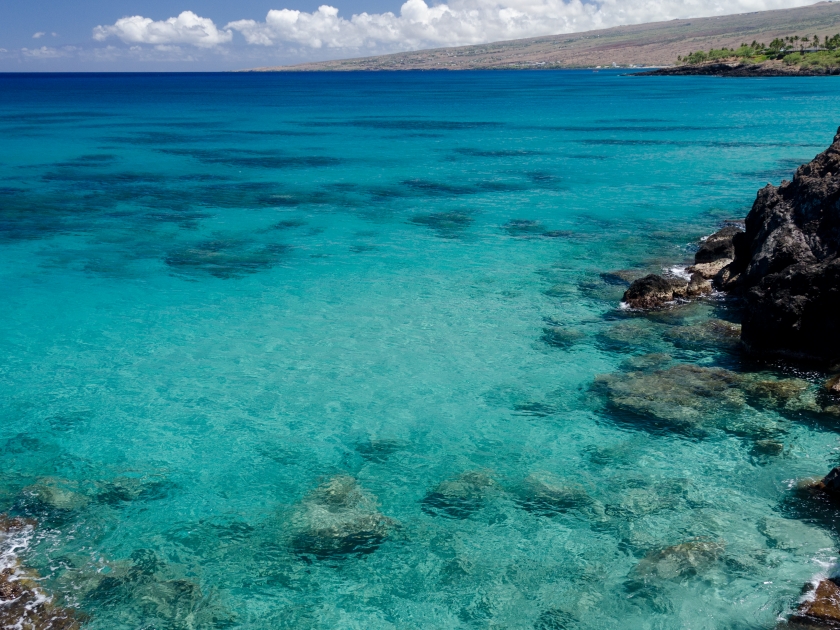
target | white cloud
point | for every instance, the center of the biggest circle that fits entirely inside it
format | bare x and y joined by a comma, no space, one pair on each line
38,35
44,52
187,28
462,22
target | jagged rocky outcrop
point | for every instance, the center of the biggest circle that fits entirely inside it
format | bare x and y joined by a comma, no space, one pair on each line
821,608
787,265
715,252
655,291
740,70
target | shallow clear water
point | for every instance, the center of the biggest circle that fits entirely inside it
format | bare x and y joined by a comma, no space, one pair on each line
227,298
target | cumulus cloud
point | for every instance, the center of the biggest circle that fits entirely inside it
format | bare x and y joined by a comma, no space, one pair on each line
38,35
461,22
45,52
187,28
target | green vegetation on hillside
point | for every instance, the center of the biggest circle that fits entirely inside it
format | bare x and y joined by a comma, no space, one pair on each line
806,52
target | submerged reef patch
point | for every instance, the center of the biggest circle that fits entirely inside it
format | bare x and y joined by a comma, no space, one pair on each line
445,224
460,497
247,158
545,494
226,258
338,519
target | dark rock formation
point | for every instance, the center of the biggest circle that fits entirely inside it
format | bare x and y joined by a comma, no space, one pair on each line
832,385
739,70
655,291
830,484
715,253
822,610
787,265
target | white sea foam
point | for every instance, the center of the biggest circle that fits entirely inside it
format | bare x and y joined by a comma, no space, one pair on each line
679,272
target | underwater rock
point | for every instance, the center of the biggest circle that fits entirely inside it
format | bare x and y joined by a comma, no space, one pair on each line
683,395
339,519
787,265
654,291
545,494
832,385
558,234
709,332
459,497
791,394
621,277
126,489
647,361
634,333
560,337
821,609
143,590
226,258
446,224
378,450
54,494
767,448
677,561
523,227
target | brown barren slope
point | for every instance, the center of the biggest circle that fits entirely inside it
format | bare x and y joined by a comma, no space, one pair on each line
654,44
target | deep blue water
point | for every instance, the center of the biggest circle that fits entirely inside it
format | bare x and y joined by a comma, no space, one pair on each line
327,351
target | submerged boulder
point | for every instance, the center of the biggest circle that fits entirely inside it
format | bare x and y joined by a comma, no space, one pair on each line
459,497
685,559
787,265
683,395
545,494
712,332
337,519
560,336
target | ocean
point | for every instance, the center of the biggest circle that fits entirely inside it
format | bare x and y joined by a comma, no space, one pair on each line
347,351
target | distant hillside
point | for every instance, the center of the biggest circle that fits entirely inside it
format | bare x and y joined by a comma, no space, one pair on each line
654,44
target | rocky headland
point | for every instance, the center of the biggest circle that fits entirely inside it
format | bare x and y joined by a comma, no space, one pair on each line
783,266
740,70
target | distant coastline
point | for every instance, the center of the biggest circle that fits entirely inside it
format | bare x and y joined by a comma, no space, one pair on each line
653,45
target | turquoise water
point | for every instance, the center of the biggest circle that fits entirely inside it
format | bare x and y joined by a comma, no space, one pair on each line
323,351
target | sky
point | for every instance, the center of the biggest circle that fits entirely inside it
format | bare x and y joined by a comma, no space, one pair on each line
206,35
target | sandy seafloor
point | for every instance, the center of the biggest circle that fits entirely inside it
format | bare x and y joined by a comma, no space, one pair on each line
295,351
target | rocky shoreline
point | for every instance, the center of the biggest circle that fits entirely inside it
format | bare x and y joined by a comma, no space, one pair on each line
783,264
738,70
